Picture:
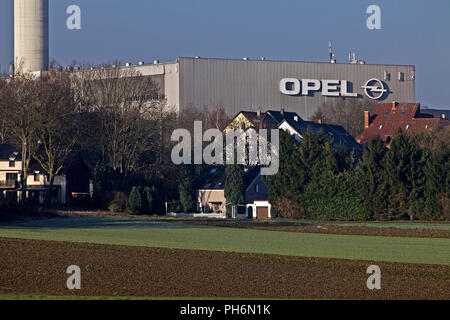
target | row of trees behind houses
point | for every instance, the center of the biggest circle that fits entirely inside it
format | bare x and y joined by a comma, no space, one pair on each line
409,180
117,119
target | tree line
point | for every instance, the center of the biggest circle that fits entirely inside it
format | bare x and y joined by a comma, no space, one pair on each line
111,116
115,117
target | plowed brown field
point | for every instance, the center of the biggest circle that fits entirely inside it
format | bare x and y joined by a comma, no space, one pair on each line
30,267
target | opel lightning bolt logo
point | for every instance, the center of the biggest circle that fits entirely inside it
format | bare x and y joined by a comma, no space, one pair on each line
374,89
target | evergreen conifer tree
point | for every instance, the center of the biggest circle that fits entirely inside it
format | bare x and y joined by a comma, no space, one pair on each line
135,201
186,188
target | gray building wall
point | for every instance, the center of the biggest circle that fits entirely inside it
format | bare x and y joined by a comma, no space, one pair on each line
166,77
255,84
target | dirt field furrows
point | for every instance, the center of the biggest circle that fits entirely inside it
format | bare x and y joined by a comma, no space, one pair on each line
33,267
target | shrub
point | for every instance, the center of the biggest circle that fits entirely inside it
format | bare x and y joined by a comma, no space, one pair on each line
149,198
135,201
336,198
175,206
117,206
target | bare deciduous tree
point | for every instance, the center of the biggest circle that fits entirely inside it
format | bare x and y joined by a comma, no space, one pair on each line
19,105
56,129
348,113
122,103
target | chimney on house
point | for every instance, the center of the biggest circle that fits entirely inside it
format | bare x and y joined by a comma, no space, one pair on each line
282,111
258,113
366,119
394,105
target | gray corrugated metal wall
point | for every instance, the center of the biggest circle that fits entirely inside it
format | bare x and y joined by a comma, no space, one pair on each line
254,84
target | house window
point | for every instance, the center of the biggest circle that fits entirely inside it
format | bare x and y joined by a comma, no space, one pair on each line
11,178
12,164
36,177
380,127
256,188
407,127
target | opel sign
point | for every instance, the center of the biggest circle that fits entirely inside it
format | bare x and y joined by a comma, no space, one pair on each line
374,88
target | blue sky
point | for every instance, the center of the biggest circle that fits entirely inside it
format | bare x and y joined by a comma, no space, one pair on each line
413,32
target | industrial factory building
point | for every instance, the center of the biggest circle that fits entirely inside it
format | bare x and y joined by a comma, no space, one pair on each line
235,84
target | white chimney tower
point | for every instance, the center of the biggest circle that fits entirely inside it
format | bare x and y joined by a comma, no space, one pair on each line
31,51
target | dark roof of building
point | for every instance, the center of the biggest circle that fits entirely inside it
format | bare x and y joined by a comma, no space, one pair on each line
281,115
387,118
335,134
9,152
436,113
213,177
255,117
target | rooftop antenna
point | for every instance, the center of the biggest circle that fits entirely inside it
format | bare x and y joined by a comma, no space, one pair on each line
330,46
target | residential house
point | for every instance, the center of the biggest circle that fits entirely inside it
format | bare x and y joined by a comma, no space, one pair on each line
210,190
269,119
10,167
72,182
387,118
334,134
210,193
257,199
292,123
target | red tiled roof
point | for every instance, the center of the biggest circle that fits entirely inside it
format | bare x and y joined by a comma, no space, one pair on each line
387,118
